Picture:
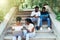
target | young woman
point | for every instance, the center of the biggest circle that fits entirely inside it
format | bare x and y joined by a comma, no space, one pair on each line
17,29
30,30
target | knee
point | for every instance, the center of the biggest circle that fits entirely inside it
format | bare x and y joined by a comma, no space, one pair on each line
24,31
48,19
38,19
41,19
27,35
13,38
19,37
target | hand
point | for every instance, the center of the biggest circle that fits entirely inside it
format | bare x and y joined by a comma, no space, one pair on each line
35,16
12,32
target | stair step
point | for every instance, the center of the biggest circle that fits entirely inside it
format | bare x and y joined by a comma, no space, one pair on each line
39,36
44,30
24,13
22,16
37,31
14,22
23,19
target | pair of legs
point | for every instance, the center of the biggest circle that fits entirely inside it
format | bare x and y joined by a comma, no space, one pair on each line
16,38
47,19
28,35
36,20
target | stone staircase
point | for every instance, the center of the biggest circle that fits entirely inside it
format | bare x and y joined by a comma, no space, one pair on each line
44,34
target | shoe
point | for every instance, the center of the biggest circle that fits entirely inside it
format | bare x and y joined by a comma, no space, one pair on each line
49,28
37,28
41,28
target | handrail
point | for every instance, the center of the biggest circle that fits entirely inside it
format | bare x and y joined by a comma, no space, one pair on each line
55,25
6,20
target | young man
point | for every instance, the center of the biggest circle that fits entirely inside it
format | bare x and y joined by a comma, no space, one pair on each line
44,16
47,8
36,14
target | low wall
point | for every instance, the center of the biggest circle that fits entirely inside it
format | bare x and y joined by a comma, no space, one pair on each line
4,24
55,25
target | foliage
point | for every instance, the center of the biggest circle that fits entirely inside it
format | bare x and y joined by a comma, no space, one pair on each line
11,3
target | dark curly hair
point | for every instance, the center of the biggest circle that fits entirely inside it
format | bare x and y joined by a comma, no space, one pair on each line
18,19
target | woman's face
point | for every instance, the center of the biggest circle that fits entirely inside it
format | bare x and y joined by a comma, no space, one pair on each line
26,22
17,22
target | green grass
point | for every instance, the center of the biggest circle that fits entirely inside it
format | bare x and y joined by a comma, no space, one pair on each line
57,14
58,17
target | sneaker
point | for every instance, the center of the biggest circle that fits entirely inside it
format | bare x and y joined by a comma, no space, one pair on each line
41,28
49,28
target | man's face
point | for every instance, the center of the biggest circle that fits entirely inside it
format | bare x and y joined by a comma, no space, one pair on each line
17,22
43,10
36,9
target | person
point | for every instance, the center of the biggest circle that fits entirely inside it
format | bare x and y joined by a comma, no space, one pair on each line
17,29
29,30
35,16
44,16
47,7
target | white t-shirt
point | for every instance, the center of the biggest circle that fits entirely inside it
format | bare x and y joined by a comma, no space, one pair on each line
17,28
35,13
30,26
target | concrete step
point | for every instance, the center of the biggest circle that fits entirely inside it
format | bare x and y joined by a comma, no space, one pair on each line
38,36
14,22
44,30
22,16
14,19
37,31
24,13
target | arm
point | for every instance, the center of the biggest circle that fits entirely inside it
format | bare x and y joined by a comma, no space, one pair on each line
12,29
31,28
37,15
33,14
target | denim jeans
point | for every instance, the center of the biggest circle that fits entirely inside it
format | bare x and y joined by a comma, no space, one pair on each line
14,37
28,35
44,18
17,35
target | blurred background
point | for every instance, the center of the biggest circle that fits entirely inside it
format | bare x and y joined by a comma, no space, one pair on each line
5,6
